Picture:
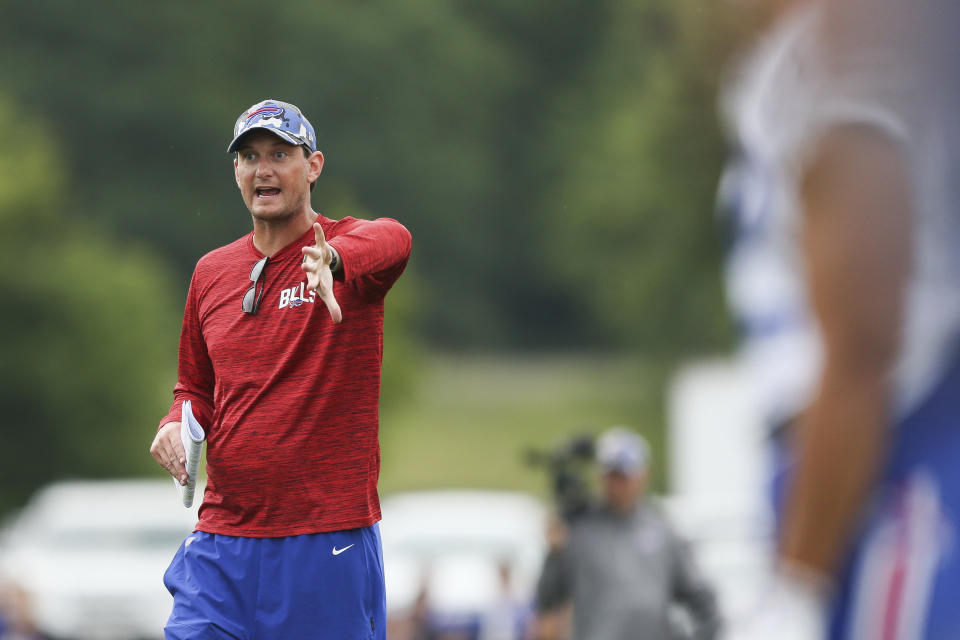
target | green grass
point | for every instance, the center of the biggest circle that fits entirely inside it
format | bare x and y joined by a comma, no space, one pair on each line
472,417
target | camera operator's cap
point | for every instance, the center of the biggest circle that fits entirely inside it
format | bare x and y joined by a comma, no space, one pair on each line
620,449
280,118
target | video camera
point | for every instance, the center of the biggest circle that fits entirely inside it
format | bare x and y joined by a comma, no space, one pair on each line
567,465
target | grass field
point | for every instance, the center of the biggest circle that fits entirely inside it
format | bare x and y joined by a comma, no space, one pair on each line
472,417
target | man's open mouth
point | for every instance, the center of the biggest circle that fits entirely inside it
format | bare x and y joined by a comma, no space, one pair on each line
267,192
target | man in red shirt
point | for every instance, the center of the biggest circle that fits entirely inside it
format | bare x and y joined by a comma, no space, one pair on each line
280,354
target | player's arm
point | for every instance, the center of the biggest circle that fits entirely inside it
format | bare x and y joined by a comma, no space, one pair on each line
552,625
552,598
856,241
195,382
692,592
319,263
373,253
369,256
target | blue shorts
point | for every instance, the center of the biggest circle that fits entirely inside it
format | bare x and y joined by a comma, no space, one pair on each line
901,578
319,586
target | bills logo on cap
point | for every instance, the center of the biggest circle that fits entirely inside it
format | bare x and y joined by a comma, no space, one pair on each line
267,113
280,118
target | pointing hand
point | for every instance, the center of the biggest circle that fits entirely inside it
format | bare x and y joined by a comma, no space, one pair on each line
316,264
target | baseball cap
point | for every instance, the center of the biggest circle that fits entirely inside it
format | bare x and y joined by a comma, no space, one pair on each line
280,118
620,449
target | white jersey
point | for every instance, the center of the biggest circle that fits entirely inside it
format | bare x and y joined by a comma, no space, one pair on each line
789,90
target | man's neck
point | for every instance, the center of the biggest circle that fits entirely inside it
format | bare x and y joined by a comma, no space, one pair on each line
269,236
624,511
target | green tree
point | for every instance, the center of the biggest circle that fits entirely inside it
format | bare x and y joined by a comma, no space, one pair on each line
89,328
493,130
638,149
399,93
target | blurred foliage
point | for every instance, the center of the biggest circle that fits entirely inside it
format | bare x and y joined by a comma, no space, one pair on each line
640,153
555,161
89,324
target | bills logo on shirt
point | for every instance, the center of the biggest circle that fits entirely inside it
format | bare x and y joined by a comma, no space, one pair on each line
296,296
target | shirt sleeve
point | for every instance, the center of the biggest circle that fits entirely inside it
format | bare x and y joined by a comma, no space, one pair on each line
857,73
804,79
374,254
195,379
691,591
553,586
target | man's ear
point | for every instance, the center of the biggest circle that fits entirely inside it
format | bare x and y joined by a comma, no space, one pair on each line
315,162
236,170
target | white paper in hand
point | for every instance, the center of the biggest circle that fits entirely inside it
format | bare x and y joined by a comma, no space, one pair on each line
192,436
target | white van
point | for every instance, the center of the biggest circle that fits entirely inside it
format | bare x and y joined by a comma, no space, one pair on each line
90,556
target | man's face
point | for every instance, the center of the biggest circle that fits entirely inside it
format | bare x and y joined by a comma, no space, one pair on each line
274,177
622,490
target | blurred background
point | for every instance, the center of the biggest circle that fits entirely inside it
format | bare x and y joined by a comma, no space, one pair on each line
556,162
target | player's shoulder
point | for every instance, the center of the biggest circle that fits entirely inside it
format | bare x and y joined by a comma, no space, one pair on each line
658,508
384,227
767,89
342,225
213,261
348,223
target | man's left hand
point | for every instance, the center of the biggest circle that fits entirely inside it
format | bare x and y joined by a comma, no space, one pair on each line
316,264
791,606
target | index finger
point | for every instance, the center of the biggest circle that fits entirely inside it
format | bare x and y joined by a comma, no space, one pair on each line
318,234
176,445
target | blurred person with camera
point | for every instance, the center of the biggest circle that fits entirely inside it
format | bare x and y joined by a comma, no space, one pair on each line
844,192
617,566
280,353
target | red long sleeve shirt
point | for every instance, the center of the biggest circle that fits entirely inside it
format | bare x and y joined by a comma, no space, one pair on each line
288,399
